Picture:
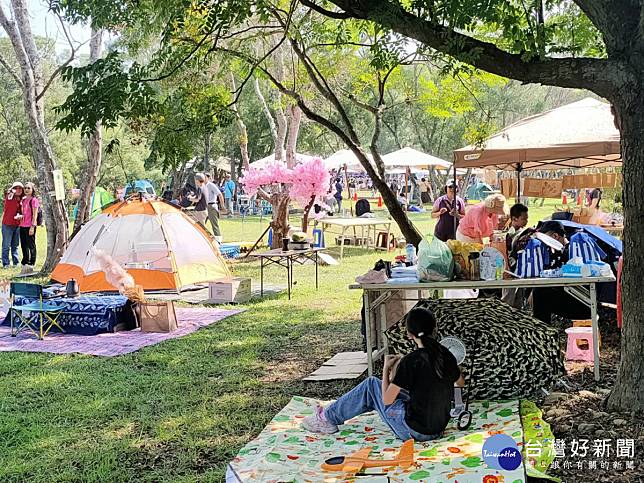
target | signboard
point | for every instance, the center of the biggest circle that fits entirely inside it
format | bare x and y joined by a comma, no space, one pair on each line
59,187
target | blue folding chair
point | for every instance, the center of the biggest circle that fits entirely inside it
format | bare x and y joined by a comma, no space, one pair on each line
37,316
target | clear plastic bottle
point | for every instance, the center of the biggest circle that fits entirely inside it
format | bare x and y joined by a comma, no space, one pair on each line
500,267
411,253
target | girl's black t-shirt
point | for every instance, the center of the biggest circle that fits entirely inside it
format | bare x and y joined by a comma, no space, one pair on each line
430,394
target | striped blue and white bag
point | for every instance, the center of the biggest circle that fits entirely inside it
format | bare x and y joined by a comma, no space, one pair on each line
584,246
532,259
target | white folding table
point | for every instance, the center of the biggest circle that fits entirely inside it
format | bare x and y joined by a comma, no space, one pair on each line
369,223
583,289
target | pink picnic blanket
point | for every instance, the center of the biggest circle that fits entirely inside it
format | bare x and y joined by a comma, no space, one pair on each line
189,320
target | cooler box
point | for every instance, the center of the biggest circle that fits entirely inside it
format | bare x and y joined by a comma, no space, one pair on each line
226,291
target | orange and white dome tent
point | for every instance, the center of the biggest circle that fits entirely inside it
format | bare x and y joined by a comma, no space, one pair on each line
158,244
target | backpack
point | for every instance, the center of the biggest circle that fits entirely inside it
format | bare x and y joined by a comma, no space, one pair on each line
584,246
38,215
362,207
532,259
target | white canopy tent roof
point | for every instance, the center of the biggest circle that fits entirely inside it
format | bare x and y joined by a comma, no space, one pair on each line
413,158
345,157
260,163
578,135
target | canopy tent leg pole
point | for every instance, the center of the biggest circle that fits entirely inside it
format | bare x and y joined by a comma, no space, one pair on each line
519,169
455,200
346,178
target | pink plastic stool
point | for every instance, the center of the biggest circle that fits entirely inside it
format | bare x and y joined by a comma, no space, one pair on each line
573,351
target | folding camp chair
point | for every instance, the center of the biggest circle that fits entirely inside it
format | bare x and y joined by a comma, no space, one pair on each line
37,316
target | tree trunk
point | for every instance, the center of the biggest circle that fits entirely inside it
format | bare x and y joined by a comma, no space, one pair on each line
93,166
243,135
206,153
294,120
280,224
305,217
628,393
279,110
24,46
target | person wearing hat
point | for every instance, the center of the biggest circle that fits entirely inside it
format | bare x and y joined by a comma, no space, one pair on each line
449,208
481,220
11,224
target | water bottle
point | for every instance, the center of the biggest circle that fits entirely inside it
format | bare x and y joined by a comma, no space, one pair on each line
500,267
411,253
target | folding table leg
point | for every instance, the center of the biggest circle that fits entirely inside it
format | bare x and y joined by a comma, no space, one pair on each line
367,331
261,276
316,270
595,324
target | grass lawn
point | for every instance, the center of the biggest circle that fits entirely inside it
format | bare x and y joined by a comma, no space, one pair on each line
180,410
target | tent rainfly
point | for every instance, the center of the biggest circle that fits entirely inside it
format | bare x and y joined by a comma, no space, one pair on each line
158,244
577,135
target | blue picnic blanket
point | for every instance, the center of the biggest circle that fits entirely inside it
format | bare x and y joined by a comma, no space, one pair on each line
87,314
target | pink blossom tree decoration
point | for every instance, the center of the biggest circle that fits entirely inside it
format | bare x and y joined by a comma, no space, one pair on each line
310,183
306,183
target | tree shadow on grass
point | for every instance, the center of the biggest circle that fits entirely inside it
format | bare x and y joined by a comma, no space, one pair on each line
178,409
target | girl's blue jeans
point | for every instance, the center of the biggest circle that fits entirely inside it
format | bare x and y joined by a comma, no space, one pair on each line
367,396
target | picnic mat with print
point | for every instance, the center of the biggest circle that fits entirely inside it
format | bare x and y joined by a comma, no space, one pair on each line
284,451
111,344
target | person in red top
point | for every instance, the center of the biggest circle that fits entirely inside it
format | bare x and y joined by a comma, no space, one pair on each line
28,222
11,224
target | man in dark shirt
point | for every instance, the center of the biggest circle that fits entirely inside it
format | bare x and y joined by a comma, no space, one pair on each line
200,200
338,193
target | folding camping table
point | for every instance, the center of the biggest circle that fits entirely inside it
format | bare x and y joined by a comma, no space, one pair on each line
583,289
369,223
286,259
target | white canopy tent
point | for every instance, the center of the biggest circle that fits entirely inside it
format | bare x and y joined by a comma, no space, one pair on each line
345,157
413,158
578,135
300,158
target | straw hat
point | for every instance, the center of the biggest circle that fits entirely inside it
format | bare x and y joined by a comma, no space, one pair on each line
496,204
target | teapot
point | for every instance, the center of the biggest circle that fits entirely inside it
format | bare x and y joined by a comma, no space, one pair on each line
72,289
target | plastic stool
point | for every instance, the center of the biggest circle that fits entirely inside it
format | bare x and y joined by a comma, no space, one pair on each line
270,237
318,238
573,351
587,323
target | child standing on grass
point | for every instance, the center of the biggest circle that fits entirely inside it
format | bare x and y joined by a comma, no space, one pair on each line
415,402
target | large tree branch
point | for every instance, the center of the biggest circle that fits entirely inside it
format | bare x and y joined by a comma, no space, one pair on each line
10,70
592,74
24,27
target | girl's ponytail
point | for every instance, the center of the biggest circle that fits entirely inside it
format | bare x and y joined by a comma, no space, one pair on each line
421,323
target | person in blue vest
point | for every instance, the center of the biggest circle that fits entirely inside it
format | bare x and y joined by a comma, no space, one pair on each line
229,194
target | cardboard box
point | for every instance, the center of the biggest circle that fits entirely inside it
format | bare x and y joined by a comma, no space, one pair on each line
226,291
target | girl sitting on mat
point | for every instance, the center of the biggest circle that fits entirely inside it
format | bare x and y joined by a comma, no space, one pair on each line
415,401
